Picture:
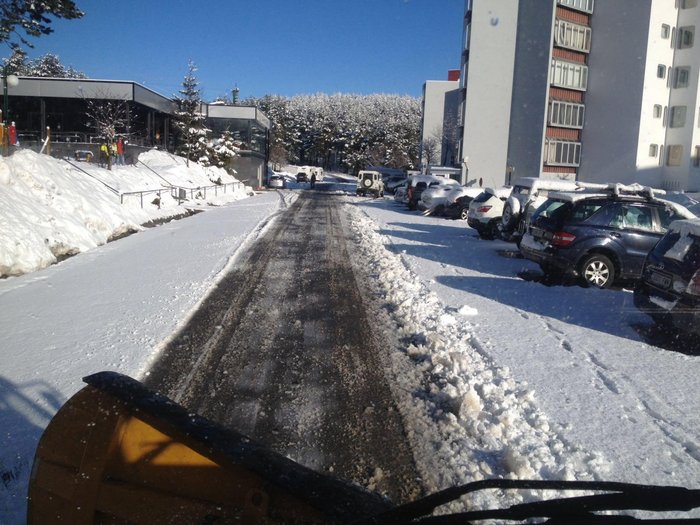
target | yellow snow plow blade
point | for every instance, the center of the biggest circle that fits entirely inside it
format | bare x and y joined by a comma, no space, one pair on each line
117,452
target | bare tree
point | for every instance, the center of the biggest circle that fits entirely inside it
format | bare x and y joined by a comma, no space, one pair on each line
430,148
450,139
109,116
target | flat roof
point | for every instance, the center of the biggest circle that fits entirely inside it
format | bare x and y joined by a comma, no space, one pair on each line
94,89
83,88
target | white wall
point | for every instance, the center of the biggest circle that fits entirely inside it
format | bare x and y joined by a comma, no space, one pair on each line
686,176
489,90
434,92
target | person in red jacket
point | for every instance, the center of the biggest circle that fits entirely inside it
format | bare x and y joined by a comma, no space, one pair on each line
12,130
120,151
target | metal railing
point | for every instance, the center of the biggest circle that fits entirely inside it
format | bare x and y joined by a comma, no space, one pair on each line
141,194
202,191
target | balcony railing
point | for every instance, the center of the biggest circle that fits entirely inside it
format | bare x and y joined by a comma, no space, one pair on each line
579,5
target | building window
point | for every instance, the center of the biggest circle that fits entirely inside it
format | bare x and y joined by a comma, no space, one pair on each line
661,155
686,37
696,157
562,153
653,150
580,5
682,77
569,75
677,116
665,30
674,155
657,110
661,71
688,4
566,114
664,121
572,36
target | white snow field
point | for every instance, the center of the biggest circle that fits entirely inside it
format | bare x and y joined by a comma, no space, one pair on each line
494,375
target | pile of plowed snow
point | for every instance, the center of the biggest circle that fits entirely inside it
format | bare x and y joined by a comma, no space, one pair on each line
50,208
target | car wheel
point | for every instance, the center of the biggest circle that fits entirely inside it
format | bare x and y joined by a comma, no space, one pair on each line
598,270
463,214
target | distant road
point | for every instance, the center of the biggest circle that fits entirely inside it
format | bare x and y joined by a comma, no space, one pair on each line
282,351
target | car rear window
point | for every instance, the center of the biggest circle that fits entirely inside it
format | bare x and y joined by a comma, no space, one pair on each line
483,197
554,210
685,249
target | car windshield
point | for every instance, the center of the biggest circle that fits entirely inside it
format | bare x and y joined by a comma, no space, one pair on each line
483,197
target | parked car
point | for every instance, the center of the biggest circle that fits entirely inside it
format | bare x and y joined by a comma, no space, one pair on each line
525,197
370,182
392,182
275,181
669,290
485,211
600,237
417,185
432,200
458,207
401,193
302,176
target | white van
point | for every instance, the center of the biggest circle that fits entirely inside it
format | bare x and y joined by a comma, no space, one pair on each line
527,194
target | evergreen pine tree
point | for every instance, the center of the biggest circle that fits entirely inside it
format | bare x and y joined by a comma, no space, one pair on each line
193,135
226,148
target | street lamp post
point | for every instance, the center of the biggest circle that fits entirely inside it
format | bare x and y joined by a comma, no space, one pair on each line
7,80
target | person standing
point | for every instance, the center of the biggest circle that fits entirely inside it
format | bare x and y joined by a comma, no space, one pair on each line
104,154
120,151
313,180
12,130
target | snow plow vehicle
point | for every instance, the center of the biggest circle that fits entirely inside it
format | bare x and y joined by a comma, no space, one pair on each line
119,453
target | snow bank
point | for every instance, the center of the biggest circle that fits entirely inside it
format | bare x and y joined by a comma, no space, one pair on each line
467,419
50,208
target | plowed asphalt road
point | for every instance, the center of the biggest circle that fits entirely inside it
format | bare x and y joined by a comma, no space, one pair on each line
282,351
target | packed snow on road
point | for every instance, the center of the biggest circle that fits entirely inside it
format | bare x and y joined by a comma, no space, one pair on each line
494,375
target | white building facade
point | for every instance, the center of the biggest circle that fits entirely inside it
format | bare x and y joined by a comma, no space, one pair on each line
440,122
603,91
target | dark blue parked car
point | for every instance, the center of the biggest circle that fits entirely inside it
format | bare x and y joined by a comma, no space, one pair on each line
669,290
600,237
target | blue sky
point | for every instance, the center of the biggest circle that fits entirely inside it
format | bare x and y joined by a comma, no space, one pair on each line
284,47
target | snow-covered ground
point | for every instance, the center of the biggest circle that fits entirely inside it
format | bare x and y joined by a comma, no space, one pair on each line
495,375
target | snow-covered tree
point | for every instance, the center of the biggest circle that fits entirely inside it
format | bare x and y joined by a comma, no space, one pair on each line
32,18
193,135
350,131
225,149
48,65
109,116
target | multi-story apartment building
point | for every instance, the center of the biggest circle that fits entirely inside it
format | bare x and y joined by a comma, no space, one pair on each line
642,101
577,89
